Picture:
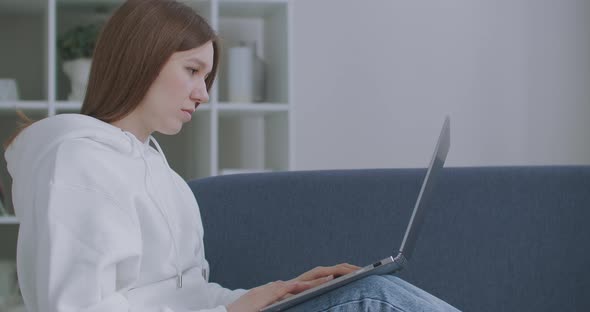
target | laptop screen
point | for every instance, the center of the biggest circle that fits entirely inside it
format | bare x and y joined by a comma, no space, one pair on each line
436,165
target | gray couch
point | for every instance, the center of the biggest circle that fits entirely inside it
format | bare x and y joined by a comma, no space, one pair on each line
495,239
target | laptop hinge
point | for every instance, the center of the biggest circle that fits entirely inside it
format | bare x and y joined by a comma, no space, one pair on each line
400,260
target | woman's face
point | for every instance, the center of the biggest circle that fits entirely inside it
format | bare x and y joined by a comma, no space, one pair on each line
177,91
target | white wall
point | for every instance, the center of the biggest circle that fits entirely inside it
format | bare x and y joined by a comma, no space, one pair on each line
373,80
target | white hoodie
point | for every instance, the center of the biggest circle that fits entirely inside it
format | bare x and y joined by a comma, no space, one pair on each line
105,224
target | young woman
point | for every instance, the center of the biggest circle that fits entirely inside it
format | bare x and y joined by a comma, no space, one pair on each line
106,225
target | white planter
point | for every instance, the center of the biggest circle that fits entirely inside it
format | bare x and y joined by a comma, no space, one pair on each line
8,91
78,71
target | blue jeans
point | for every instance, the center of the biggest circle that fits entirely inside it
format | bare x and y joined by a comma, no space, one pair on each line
375,293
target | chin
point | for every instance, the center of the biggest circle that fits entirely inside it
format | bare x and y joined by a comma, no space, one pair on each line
171,130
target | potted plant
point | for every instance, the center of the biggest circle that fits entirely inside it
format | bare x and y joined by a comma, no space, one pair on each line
76,46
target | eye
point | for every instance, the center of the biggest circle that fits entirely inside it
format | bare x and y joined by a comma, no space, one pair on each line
192,71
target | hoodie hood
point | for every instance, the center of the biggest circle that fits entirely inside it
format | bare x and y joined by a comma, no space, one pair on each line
32,144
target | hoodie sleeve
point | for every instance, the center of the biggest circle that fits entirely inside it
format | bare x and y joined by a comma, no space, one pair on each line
88,253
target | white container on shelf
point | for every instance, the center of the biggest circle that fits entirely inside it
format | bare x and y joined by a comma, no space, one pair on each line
240,74
246,74
259,80
8,90
258,75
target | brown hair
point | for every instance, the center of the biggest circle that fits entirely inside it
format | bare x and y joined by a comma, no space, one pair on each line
132,48
20,126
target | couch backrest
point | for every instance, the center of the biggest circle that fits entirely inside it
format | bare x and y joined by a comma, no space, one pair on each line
495,239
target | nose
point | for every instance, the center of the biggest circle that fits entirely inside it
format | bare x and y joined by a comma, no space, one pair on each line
199,92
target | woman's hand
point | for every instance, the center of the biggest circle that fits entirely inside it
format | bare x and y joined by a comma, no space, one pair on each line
333,271
262,296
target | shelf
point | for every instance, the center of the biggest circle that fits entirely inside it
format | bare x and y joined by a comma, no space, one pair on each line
251,109
12,105
212,141
8,220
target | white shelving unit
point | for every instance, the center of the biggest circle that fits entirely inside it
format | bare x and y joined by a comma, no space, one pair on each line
8,220
223,136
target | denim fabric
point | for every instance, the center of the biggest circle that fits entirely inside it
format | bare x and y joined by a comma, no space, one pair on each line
375,293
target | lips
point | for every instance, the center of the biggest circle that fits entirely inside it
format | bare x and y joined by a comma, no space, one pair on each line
191,110
188,114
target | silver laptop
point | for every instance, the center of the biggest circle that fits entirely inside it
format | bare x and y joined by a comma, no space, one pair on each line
390,264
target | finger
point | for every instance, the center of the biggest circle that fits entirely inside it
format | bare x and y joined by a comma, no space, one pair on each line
286,296
351,267
270,293
302,286
354,267
320,281
294,287
265,295
280,289
312,274
341,269
347,265
320,271
274,291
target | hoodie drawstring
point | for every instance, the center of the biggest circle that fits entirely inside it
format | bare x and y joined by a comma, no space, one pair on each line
205,272
171,177
161,209
169,171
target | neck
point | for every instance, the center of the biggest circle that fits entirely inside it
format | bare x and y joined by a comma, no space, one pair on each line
131,124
